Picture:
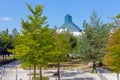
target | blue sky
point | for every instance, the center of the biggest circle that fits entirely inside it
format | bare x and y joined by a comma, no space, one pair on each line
11,11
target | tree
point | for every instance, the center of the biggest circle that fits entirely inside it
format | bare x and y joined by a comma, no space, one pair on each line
46,46
35,40
115,24
73,40
5,43
14,32
14,35
93,40
61,49
112,56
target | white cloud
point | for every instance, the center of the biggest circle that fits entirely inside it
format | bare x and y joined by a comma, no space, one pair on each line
6,19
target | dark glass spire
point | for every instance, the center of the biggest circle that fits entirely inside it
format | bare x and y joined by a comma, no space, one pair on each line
68,18
69,25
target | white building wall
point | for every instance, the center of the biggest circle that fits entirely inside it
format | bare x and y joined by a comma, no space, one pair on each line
65,30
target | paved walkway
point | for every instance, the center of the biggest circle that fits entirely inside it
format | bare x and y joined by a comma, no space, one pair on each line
110,76
74,75
13,73
68,75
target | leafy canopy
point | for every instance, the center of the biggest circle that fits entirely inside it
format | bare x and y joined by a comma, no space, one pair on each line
112,57
93,39
35,39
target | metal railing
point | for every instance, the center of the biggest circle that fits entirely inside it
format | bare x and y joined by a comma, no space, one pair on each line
7,71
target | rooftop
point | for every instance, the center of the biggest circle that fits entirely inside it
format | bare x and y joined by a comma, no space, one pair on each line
69,25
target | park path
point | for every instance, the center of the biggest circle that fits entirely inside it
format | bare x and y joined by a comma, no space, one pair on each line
74,75
14,73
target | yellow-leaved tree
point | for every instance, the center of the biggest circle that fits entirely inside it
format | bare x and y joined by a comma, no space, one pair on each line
112,57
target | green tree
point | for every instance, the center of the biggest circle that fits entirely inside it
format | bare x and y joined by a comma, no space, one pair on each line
46,46
93,40
14,32
61,49
73,40
5,43
35,40
14,35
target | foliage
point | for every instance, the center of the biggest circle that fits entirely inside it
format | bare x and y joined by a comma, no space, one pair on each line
112,57
61,47
14,32
35,41
93,40
115,24
31,43
5,41
73,40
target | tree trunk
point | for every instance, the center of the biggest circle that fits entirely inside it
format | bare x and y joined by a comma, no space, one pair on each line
3,59
58,71
5,56
40,73
117,76
94,67
34,71
14,55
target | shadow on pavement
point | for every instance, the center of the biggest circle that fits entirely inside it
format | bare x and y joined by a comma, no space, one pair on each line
89,78
69,74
